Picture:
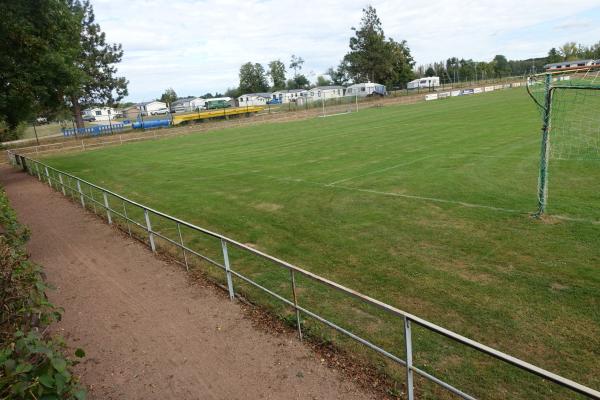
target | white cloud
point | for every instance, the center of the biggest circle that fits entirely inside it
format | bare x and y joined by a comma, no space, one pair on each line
198,46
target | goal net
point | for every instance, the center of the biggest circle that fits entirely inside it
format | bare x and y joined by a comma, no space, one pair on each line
569,103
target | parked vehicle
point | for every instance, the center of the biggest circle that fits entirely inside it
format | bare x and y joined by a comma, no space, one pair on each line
274,101
41,120
160,111
89,118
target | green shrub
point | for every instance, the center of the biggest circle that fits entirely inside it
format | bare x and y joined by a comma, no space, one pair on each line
32,365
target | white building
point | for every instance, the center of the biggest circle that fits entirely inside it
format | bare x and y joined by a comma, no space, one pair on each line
289,96
254,99
424,83
325,92
571,64
366,89
100,114
188,104
148,107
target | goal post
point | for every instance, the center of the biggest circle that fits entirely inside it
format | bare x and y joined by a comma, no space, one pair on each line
569,102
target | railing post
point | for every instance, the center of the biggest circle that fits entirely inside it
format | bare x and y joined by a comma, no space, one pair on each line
48,176
80,193
126,218
37,168
298,321
93,200
149,228
410,393
62,184
107,207
183,247
227,269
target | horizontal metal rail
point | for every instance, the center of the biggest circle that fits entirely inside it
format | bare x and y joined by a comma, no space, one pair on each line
59,185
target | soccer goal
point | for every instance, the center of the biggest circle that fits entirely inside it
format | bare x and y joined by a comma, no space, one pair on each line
569,102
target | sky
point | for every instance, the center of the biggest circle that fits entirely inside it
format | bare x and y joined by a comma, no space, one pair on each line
198,46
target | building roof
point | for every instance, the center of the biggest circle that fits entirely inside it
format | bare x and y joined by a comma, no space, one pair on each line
366,83
149,102
566,63
266,95
327,87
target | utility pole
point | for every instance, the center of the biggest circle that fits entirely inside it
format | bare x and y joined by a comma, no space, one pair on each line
36,136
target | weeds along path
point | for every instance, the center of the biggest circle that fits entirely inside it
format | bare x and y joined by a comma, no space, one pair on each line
148,333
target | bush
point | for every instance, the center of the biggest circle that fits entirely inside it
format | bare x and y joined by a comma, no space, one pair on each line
32,365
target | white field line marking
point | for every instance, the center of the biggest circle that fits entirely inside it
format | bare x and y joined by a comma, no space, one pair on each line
380,170
333,115
575,219
406,196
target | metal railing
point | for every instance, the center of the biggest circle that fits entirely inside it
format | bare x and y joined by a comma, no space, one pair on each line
71,185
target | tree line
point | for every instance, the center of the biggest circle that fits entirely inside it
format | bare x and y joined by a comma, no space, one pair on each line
54,60
372,56
455,69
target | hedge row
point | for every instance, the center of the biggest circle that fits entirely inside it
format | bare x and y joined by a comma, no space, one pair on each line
32,363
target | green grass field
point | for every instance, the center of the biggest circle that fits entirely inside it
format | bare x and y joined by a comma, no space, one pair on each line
423,206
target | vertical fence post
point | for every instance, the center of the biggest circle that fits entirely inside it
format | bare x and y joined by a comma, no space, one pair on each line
48,176
149,228
410,393
62,184
93,200
227,269
107,207
80,194
182,247
298,321
37,168
126,218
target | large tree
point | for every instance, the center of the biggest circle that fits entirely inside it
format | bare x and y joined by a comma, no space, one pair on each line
277,74
554,56
253,78
97,59
39,42
168,96
296,64
501,66
374,58
339,75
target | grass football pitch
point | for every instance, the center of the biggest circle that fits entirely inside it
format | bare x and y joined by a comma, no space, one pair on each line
425,207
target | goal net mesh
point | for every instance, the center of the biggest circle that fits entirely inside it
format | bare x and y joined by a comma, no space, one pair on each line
574,121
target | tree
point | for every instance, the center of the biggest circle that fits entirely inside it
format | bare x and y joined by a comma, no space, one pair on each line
233,92
401,62
554,56
569,51
96,61
339,76
277,74
501,67
298,82
430,71
253,78
40,42
322,81
374,58
296,64
168,96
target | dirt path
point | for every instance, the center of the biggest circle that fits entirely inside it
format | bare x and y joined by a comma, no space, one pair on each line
147,333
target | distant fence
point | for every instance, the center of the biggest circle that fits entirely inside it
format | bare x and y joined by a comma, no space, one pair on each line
470,91
95,130
82,191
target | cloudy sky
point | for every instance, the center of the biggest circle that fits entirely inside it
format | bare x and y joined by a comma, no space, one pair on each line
197,46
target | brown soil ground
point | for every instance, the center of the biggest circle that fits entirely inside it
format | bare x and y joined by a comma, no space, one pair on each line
147,332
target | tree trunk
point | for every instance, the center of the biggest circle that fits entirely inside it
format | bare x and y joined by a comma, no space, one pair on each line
77,112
